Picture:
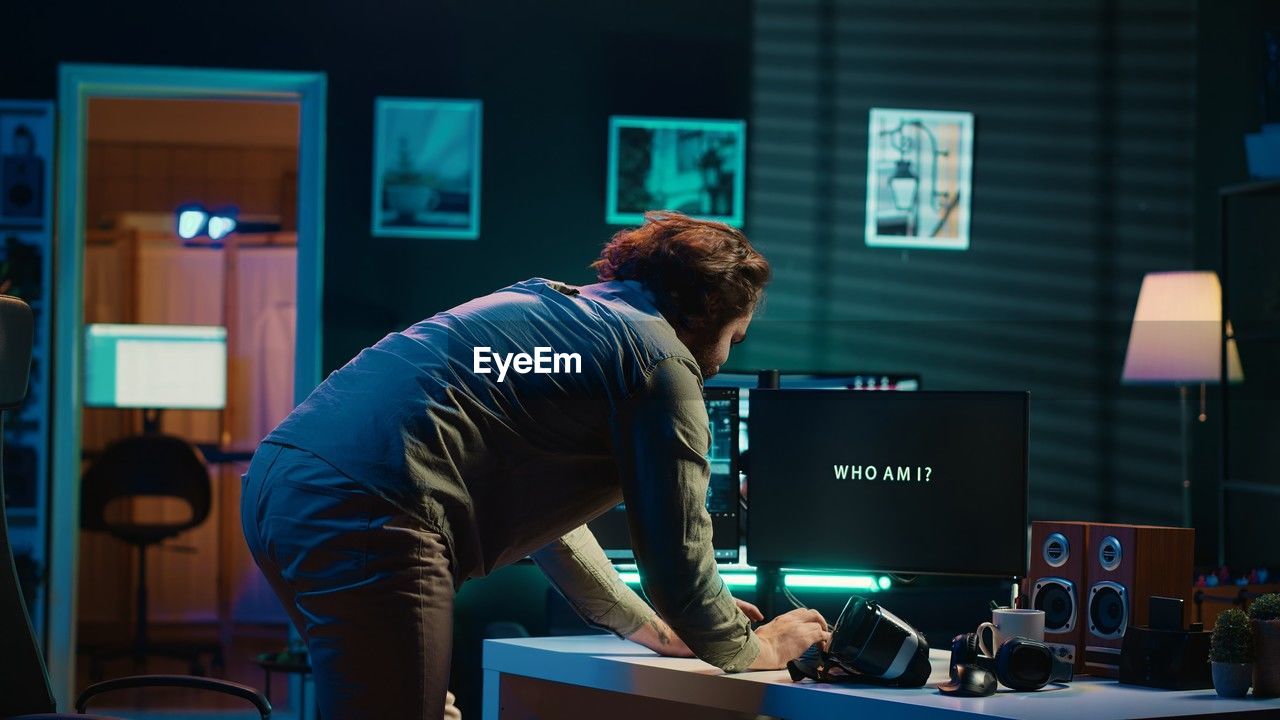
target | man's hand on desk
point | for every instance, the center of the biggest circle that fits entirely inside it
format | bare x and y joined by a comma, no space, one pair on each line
660,638
786,637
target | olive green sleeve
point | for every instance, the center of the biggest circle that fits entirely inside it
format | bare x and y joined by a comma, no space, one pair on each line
577,567
661,437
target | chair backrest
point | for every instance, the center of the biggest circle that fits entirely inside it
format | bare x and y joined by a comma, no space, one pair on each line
24,681
149,464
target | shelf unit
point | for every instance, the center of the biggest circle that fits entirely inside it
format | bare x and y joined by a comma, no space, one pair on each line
1227,484
29,239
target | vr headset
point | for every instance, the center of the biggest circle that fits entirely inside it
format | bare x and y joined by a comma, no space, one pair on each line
1019,664
868,645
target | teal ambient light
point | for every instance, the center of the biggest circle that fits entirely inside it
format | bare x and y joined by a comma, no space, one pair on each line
807,581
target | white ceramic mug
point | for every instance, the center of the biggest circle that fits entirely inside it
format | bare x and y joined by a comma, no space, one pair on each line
1010,623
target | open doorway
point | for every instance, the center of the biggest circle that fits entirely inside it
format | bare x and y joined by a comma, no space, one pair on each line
155,305
137,145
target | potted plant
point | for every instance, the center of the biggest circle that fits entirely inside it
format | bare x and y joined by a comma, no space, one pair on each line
1231,651
1264,615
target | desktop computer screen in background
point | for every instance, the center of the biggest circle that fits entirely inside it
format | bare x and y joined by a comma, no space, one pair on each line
722,493
155,366
793,380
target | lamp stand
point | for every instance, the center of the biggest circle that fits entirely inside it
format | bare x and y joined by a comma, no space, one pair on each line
1186,471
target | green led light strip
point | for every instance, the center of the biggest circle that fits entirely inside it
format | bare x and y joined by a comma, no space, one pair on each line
807,581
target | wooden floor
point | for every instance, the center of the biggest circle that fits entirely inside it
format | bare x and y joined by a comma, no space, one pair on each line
155,704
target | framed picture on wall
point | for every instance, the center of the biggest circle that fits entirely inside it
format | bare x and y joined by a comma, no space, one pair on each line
919,179
426,168
26,146
690,165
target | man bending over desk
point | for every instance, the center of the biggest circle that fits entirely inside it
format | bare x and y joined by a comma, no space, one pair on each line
494,431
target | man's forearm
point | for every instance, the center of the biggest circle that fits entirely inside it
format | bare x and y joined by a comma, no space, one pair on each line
658,636
576,565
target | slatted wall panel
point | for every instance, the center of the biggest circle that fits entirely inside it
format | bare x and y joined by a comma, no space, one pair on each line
1084,120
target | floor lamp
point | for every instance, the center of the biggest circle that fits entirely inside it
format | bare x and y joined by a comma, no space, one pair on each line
1175,340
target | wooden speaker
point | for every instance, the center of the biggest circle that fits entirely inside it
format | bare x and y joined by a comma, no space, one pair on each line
1126,565
1056,584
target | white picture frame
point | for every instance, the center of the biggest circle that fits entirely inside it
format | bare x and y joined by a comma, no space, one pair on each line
919,179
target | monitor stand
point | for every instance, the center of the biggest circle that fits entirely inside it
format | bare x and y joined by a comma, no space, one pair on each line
151,421
768,579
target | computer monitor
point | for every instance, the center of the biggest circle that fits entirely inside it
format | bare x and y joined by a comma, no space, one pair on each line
798,380
722,493
155,366
848,381
919,482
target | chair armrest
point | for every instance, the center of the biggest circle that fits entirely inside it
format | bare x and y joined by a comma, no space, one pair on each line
244,692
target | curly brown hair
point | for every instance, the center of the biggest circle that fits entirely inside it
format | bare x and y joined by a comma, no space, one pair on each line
703,273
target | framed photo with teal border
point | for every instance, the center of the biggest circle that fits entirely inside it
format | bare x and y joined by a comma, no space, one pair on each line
689,165
426,168
919,179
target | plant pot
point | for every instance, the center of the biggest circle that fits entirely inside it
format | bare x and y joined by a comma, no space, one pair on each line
409,199
1266,665
1232,680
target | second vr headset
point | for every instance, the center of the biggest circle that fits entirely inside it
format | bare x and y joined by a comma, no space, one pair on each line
1019,664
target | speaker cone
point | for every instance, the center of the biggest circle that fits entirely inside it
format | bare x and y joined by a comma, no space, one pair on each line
1055,597
1108,610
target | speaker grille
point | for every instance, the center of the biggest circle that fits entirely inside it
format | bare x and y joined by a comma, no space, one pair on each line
1110,553
1108,610
1056,550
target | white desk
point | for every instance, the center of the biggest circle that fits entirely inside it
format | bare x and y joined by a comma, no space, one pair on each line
601,676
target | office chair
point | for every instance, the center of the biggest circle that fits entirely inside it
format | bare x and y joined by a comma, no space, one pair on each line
151,465
24,680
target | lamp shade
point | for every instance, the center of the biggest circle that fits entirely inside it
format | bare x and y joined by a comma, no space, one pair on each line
1177,331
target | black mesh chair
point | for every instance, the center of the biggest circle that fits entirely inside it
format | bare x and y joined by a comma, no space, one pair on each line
24,680
149,465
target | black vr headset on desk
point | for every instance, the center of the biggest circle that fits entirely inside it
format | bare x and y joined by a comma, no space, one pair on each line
872,646
869,645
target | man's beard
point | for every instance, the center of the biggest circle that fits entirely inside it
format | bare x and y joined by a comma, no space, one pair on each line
702,347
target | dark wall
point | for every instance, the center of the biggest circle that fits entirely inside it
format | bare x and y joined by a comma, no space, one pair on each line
549,74
1083,181
1229,58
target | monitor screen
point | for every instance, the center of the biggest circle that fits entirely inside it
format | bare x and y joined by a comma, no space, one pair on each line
790,379
921,482
722,492
155,366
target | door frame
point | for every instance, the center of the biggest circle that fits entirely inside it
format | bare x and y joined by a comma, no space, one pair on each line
77,83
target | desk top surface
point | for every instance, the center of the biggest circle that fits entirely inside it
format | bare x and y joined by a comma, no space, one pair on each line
605,662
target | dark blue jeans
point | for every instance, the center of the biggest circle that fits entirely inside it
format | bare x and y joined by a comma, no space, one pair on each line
367,586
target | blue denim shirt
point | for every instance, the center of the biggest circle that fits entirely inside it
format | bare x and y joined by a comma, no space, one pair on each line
506,466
